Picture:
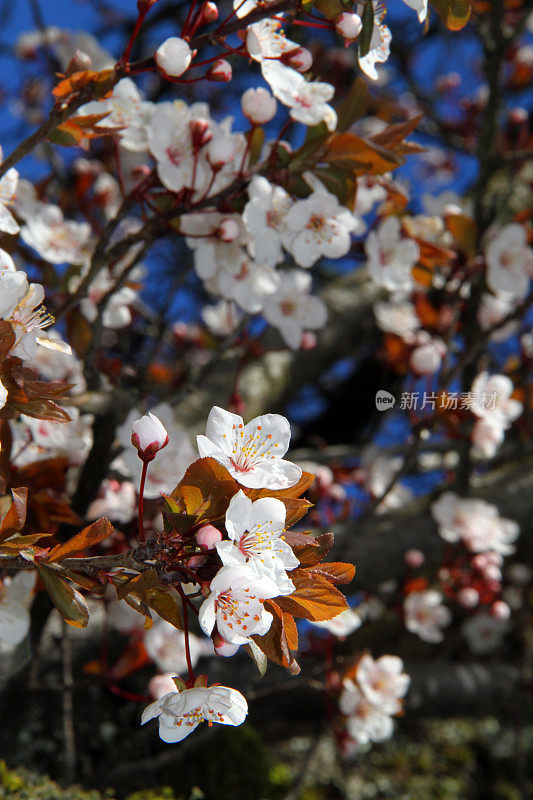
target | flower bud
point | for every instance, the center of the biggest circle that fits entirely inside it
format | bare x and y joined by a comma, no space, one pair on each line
468,597
195,562
258,105
209,13
223,648
309,340
208,536
220,71
80,61
228,230
414,558
220,151
148,436
348,25
200,132
500,611
173,57
299,59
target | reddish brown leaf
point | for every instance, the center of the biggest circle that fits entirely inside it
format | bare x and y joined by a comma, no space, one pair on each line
162,599
205,490
334,571
274,643
16,515
68,601
314,551
84,540
315,597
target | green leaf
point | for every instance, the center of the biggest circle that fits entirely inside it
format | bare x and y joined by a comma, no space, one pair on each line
365,36
68,601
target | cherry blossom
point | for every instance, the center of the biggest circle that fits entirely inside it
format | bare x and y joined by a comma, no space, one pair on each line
379,47
265,218
71,440
425,615
252,453
235,604
484,633
293,310
475,522
57,240
55,360
391,258
494,308
21,306
365,722
221,318
8,190
15,600
427,356
382,682
116,500
265,40
307,101
126,111
256,530
398,316
166,647
492,399
247,282
320,227
509,261
180,713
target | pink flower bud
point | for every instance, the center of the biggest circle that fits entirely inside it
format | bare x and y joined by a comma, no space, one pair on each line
197,561
148,436
258,105
518,116
173,57
228,230
480,562
309,340
223,648
468,597
209,13
348,25
220,151
207,536
493,573
220,71
414,558
500,611
299,59
161,685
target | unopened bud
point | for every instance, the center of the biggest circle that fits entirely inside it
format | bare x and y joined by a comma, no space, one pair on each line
148,436
258,105
200,132
208,536
209,13
500,611
220,151
223,648
173,57
348,25
309,341
79,62
220,71
161,685
468,597
228,230
414,558
299,59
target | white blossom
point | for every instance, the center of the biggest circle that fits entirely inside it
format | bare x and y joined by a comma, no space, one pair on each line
365,723
509,261
252,453
320,227
390,257
265,218
255,531
307,101
235,604
293,310
475,522
484,633
181,712
426,615
15,600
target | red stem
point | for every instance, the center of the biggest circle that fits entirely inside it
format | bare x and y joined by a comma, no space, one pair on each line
141,502
138,25
186,633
